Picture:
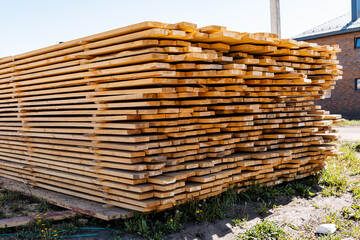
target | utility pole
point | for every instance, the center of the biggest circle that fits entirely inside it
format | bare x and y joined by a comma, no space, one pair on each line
275,17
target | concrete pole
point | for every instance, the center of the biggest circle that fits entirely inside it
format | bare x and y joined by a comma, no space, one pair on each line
275,17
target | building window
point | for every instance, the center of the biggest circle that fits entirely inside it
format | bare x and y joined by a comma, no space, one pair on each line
357,84
357,42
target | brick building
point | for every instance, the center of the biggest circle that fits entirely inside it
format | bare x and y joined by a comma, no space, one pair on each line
345,31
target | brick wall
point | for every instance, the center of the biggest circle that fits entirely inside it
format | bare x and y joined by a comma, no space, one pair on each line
344,99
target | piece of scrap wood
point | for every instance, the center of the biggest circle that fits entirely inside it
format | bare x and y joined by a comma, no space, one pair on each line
18,221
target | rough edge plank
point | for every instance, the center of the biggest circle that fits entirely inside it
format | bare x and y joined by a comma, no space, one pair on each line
18,221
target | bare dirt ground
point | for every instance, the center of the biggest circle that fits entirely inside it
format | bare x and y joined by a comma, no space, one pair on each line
298,216
303,214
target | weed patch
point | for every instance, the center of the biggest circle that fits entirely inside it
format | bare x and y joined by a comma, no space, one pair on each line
264,231
349,123
335,176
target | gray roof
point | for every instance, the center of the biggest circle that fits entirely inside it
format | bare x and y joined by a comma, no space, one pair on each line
339,25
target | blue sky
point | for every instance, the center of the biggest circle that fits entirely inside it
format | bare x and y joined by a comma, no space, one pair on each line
31,24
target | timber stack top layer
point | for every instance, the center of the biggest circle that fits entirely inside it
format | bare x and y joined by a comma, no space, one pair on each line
150,115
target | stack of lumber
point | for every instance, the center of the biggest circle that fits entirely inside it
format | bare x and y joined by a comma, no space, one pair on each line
153,114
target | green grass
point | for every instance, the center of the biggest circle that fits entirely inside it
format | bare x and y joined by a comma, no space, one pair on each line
9,197
239,222
39,228
264,231
15,204
347,225
258,193
349,123
335,177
